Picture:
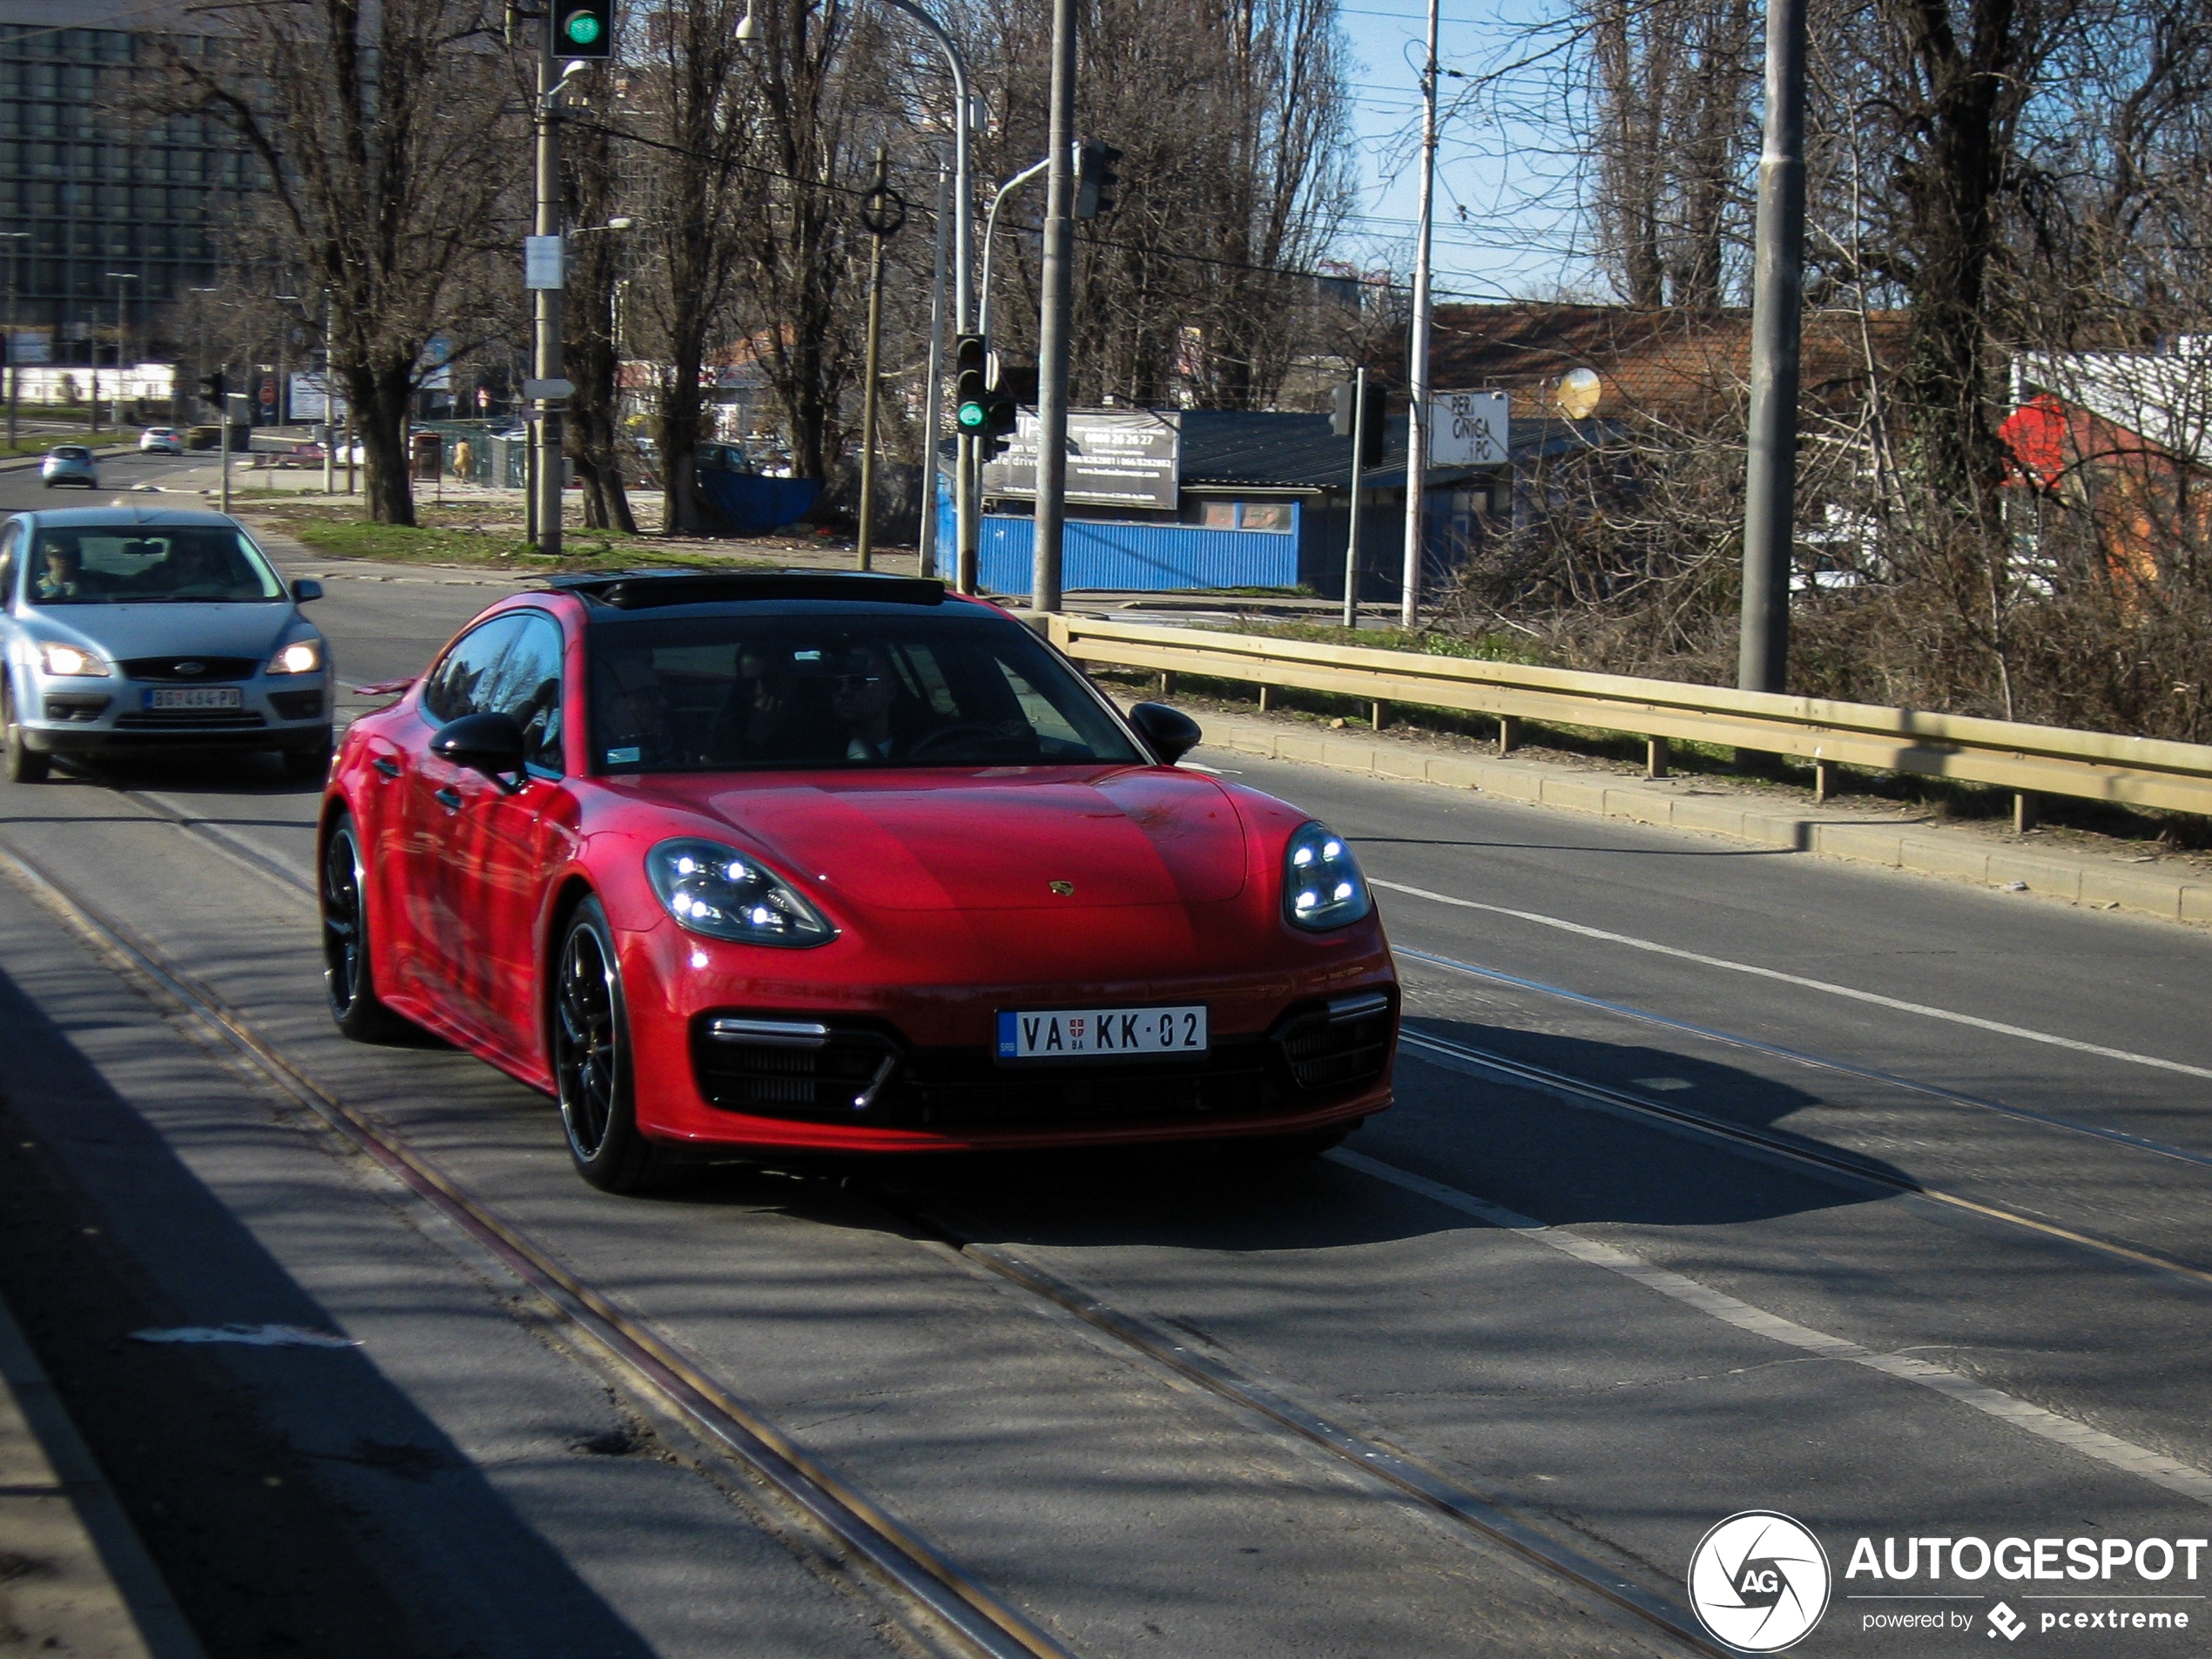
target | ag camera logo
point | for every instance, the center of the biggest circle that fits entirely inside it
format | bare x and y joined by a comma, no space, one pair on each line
1759,1582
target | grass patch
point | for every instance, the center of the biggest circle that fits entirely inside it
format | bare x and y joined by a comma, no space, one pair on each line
472,538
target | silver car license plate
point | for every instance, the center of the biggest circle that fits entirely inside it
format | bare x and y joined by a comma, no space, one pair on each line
197,697
1065,1033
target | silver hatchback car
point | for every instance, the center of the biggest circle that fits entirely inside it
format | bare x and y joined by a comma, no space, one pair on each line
125,628
70,464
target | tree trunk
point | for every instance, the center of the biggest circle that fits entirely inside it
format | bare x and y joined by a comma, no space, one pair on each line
379,417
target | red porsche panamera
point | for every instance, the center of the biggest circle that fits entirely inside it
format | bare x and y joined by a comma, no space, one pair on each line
810,861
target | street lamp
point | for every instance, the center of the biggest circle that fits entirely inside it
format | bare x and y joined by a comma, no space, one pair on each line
119,277
14,239
964,196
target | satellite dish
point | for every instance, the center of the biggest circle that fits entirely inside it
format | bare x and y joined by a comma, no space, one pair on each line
1579,391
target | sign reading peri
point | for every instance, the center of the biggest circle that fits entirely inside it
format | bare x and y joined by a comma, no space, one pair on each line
1116,458
1468,429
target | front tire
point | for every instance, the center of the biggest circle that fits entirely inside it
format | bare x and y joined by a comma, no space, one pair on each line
349,967
591,1057
24,764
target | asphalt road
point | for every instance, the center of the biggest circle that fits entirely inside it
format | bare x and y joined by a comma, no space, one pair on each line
1614,1331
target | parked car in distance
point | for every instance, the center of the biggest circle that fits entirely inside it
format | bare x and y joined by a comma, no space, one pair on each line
298,454
161,440
70,464
136,628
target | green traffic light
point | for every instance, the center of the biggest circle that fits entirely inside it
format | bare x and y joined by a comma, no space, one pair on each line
971,416
582,28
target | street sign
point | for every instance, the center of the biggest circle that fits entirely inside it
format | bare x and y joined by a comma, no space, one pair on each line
1116,458
536,389
543,265
1468,429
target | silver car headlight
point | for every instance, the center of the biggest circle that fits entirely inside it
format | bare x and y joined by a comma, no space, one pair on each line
70,662
1322,885
724,893
300,656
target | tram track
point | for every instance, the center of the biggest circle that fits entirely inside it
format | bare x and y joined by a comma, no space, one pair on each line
899,1559
903,1562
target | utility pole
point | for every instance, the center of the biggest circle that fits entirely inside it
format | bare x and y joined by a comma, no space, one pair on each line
122,346
932,389
1052,341
329,396
1417,376
1358,469
1777,292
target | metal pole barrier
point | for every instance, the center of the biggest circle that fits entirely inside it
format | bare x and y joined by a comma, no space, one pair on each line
1052,343
224,411
547,530
933,390
1777,292
875,213
1417,377
1358,465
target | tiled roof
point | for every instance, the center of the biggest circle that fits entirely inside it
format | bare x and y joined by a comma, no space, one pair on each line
1299,451
1647,363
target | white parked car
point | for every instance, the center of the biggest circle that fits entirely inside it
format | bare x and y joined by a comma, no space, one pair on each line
161,440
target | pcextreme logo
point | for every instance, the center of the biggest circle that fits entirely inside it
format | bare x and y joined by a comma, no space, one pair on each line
1759,1582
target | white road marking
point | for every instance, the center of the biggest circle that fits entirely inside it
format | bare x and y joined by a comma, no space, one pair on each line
1852,991
2175,1476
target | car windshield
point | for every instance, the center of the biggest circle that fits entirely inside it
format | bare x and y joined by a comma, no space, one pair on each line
100,564
837,689
70,455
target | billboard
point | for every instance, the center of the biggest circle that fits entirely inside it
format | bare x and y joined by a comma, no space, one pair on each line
1116,458
308,402
30,346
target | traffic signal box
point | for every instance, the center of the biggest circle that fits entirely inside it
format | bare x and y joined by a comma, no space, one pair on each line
1095,179
1342,419
982,410
582,28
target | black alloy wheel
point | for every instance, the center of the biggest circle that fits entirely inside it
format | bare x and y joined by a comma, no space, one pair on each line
348,973
590,1051
25,764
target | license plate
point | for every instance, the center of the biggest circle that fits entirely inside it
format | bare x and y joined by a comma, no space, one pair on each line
200,697
1062,1034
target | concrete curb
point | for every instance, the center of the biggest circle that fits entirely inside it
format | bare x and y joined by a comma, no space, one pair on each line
78,1581
1920,847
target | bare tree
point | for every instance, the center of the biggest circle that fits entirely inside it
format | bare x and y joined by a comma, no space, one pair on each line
386,143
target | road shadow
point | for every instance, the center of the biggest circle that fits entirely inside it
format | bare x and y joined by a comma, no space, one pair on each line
1516,1146
228,771
295,1499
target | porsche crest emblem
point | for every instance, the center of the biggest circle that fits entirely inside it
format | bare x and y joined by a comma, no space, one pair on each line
1065,890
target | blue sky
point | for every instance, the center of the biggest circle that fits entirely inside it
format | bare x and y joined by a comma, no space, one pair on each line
1505,247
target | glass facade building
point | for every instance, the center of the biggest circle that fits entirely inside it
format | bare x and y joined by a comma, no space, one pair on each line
89,189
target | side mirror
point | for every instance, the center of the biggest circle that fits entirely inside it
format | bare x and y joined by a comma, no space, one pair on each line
491,744
1172,733
306,589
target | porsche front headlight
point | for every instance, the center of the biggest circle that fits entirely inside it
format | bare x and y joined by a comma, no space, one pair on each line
724,893
70,662
1322,885
300,656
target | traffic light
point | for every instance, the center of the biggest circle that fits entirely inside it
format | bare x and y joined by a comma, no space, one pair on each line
582,28
1001,413
971,360
1094,177
212,386
1342,419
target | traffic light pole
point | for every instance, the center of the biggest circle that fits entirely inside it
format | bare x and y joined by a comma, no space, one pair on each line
1417,376
546,361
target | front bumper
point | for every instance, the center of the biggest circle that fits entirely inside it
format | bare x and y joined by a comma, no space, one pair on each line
910,1067
73,714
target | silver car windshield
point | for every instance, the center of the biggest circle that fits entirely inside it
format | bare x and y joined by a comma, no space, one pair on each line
132,564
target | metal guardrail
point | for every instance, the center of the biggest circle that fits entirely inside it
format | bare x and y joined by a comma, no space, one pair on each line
2028,759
